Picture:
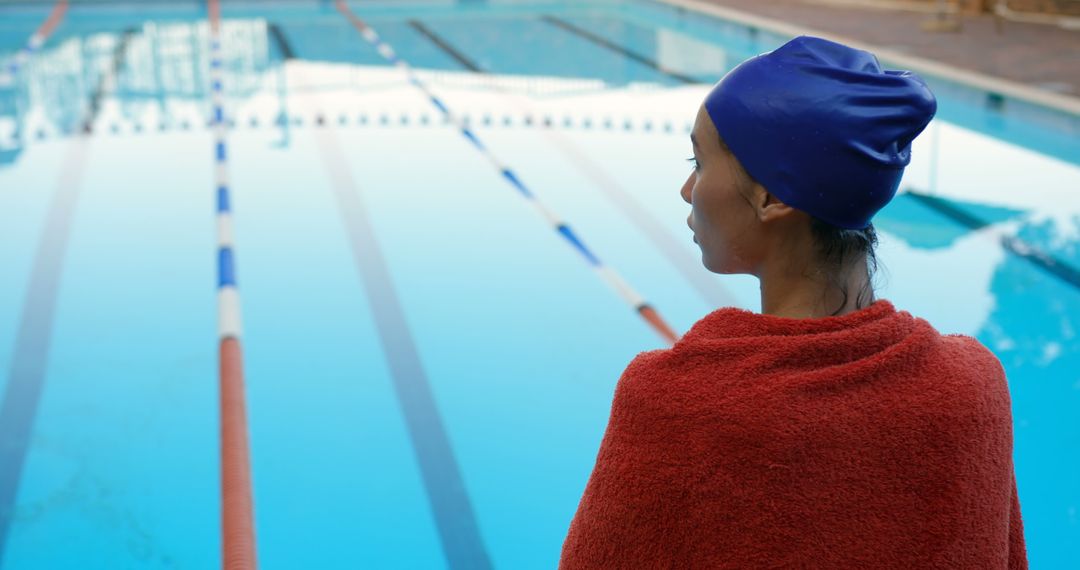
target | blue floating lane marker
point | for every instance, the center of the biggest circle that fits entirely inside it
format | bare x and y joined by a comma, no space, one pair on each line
438,102
509,175
572,237
222,199
472,138
226,268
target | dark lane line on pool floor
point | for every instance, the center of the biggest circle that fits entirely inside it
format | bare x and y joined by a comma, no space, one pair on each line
442,44
455,518
604,42
279,39
1040,259
30,357
711,291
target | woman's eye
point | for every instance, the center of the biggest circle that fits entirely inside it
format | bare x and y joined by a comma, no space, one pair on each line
694,161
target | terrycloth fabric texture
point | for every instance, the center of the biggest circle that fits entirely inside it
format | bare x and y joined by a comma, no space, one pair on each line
867,440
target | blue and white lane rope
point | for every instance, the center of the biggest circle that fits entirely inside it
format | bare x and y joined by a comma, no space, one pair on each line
228,297
237,502
609,275
21,57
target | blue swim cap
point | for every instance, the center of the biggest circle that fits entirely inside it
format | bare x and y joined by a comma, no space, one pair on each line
822,126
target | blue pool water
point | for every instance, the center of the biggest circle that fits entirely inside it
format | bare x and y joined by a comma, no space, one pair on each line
376,246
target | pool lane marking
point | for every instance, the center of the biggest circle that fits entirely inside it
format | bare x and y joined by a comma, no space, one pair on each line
282,42
237,505
37,39
711,291
455,519
646,311
447,495
450,50
604,42
1016,246
30,357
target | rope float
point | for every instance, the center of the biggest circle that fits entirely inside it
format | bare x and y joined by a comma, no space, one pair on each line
37,39
237,519
646,311
711,291
384,119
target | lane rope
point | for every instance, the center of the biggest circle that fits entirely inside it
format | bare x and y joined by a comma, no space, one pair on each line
394,117
37,39
237,505
710,290
609,275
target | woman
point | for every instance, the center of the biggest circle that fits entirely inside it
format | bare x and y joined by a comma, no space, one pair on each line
830,431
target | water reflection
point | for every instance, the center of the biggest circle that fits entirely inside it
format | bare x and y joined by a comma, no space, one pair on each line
1013,167
165,68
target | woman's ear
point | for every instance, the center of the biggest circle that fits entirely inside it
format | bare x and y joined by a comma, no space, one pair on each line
768,206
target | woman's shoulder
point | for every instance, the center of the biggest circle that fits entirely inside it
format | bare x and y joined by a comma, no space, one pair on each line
964,375
958,350
966,353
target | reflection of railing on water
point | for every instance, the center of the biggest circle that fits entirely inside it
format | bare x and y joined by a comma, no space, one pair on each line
166,63
166,68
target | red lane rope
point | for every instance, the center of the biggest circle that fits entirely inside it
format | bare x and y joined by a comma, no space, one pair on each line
53,20
237,504
237,524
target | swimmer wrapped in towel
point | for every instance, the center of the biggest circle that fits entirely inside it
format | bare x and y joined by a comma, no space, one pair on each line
831,430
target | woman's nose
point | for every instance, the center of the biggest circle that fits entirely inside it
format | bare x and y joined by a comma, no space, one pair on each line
687,187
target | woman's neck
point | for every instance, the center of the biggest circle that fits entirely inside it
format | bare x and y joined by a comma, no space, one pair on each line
809,291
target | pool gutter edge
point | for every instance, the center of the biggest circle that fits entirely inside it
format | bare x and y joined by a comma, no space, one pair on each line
1064,103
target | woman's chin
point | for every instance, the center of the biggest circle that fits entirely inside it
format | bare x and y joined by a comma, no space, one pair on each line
710,264
719,266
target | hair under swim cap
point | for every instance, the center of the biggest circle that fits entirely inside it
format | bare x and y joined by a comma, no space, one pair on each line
822,126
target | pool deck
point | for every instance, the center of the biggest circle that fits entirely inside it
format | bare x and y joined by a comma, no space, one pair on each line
1045,57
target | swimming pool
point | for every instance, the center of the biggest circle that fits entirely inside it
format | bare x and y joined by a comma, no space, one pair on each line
432,323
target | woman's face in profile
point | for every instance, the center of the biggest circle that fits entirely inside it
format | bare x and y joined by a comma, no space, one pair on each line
724,222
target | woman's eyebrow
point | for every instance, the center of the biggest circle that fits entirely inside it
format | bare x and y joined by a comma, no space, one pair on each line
693,140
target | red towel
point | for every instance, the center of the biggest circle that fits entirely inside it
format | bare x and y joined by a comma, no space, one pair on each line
867,440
